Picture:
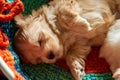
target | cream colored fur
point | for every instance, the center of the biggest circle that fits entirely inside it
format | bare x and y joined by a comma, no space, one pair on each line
111,49
63,29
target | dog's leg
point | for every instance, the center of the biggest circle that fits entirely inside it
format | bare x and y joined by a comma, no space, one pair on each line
110,50
76,68
75,59
117,78
116,74
72,20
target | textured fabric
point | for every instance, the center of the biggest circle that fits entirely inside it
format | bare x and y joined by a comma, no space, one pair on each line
96,68
7,12
7,56
14,8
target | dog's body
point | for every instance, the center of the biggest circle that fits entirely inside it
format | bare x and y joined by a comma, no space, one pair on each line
63,29
111,49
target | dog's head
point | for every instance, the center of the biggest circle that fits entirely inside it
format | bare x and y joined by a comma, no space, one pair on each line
35,41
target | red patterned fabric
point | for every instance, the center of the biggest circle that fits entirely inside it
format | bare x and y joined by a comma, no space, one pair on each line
94,64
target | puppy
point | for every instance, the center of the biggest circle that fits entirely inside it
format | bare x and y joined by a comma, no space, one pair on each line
111,49
63,29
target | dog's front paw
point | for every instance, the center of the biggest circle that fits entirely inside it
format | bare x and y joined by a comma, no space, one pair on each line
117,78
116,75
77,70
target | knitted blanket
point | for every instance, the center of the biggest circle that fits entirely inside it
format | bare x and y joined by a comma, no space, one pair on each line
96,68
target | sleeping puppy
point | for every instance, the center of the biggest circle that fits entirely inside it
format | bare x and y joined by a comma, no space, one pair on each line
63,29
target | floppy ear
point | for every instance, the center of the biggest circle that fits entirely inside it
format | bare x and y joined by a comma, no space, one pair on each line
20,20
23,20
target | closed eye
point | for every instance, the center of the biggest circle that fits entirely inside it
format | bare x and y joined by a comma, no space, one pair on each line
40,42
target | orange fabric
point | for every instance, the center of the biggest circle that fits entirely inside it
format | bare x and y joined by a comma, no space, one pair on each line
7,56
15,8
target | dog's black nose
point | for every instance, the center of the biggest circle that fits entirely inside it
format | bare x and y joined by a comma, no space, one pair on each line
51,55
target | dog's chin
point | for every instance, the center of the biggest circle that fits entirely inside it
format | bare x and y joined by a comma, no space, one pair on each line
49,61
